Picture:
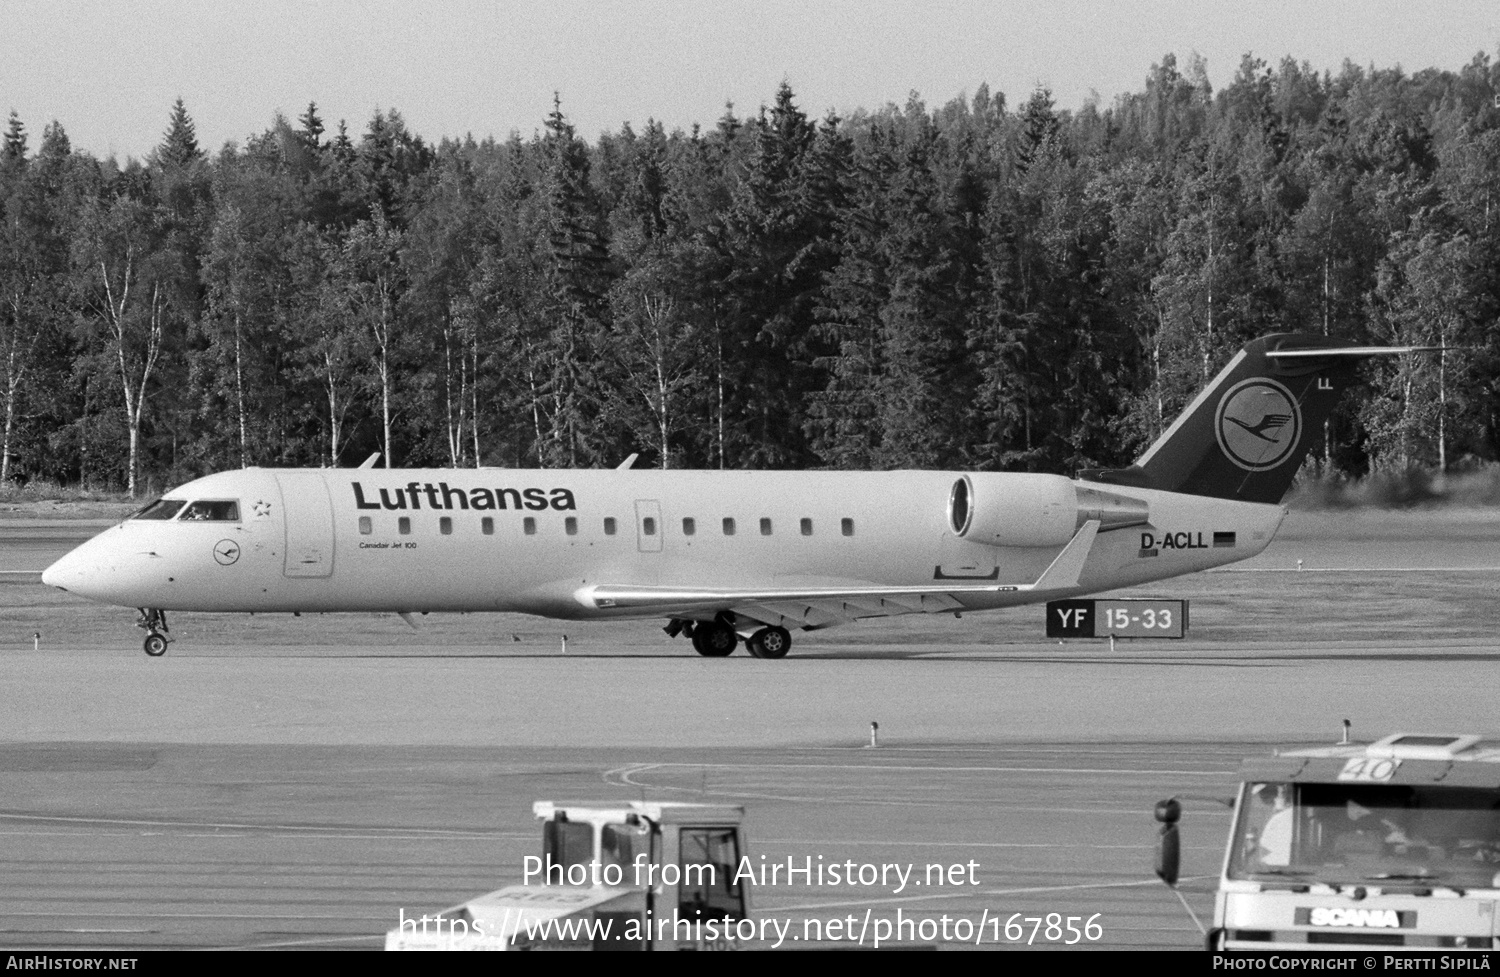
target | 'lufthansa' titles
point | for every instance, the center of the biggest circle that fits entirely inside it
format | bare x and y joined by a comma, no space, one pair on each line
444,496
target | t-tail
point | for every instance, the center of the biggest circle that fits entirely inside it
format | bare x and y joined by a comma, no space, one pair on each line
1246,434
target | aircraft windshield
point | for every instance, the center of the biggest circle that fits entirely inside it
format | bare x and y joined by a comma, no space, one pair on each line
226,510
160,509
1373,834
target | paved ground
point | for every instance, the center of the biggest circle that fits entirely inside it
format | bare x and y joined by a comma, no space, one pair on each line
133,845
301,782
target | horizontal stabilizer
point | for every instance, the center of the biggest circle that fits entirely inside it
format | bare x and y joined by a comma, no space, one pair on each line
1359,352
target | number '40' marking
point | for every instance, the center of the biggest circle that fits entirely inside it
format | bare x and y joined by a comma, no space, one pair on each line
1369,770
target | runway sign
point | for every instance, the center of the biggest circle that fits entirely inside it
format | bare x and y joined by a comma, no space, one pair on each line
1123,617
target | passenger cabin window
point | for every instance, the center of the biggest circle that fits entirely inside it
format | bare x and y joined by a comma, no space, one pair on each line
160,509
689,526
487,526
609,525
848,527
528,525
570,525
445,525
403,525
728,527
807,527
366,527
765,527
212,511
648,525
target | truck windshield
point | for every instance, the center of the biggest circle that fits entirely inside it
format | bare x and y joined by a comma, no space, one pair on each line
1370,833
619,844
710,858
565,844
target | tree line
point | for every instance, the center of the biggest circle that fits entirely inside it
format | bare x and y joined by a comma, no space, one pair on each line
974,286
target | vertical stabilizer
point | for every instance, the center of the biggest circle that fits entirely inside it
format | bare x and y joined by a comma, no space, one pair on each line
1245,435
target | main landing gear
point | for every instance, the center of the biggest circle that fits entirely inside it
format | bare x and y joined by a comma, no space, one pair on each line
772,642
154,623
714,640
717,639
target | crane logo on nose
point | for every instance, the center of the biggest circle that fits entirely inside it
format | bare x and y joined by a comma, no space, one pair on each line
226,551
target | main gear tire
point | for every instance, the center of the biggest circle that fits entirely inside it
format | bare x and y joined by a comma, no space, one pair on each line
714,640
772,642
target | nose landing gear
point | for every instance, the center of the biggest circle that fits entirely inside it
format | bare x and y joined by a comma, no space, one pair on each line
154,623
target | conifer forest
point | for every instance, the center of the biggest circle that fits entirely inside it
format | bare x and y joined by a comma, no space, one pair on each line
991,283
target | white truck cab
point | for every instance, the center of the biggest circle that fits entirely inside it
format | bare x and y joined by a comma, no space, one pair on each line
634,875
1389,845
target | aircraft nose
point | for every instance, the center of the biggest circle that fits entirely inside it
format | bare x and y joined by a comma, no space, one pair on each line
63,574
82,570
102,570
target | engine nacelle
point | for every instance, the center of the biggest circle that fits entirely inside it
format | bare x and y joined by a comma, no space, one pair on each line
1018,509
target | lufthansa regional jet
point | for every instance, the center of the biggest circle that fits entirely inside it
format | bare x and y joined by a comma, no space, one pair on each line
726,556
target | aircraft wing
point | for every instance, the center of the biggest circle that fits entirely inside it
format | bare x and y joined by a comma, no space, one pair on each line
821,607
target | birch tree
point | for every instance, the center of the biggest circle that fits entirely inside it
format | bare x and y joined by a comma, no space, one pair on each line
124,299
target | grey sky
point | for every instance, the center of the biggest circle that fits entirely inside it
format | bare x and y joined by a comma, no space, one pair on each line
109,71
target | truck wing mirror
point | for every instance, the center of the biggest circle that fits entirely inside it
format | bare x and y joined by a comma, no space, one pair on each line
1168,842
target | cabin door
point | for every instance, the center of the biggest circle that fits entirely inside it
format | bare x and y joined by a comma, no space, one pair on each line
307,513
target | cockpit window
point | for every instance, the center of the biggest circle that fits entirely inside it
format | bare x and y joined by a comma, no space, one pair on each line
160,509
223,510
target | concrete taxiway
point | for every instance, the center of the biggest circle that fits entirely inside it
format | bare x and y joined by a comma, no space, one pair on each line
305,782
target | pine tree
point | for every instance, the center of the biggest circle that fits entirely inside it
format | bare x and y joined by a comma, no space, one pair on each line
55,144
15,139
179,145
580,277
312,126
1040,125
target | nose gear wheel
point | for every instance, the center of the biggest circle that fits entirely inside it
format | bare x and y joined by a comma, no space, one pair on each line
154,623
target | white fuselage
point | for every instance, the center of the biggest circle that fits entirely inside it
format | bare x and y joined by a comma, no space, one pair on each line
535,540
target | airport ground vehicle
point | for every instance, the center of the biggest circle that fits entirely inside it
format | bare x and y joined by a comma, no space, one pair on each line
1383,846
632,875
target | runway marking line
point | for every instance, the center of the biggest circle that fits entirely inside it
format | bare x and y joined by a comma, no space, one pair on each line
1029,890
186,915
291,943
626,776
310,828
1353,570
813,842
865,768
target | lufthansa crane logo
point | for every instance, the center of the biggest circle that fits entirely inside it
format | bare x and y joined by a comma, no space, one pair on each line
1258,424
226,551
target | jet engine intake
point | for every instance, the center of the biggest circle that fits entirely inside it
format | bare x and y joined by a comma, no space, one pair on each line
1017,509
